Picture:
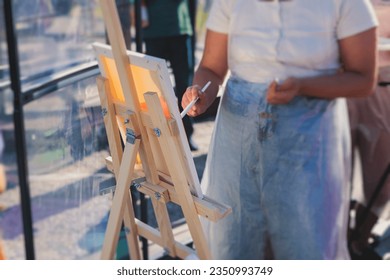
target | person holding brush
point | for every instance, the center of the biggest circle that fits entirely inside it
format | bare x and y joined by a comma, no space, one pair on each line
280,150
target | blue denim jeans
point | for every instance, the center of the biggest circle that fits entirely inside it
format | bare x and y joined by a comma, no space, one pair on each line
284,170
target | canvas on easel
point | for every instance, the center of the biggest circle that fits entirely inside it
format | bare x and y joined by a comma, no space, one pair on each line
148,148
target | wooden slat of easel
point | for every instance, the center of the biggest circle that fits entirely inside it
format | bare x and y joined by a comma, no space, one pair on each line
115,145
122,63
119,203
167,191
206,207
164,225
171,155
121,199
122,203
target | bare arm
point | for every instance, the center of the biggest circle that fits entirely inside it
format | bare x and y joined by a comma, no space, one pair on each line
357,79
213,67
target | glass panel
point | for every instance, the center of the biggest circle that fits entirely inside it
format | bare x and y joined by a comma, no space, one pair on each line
54,35
65,135
11,229
3,49
66,149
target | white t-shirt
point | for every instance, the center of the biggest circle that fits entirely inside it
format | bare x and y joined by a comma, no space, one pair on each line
298,38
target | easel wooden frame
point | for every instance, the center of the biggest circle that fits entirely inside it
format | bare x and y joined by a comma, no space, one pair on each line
167,171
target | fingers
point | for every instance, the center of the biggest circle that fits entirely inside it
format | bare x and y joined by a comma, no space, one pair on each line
271,93
282,93
191,94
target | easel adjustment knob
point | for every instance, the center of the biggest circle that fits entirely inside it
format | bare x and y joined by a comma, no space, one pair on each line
130,136
157,132
104,112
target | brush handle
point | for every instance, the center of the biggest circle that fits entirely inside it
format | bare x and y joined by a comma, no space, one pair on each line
192,103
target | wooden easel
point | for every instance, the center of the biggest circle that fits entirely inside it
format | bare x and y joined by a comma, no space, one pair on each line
155,133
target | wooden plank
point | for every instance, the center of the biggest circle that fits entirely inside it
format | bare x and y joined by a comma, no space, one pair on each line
109,164
122,62
171,155
211,209
164,225
154,191
154,235
181,139
121,109
113,136
173,127
161,164
206,207
146,120
131,229
172,124
119,203
115,145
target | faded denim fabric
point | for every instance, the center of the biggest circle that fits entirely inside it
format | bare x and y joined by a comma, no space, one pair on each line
284,170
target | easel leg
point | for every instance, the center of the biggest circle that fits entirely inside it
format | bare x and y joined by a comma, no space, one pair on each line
120,201
164,224
130,229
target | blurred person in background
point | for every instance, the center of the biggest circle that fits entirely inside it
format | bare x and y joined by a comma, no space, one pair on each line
3,185
125,13
167,34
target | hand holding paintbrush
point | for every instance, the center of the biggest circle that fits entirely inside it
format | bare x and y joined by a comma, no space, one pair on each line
192,103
